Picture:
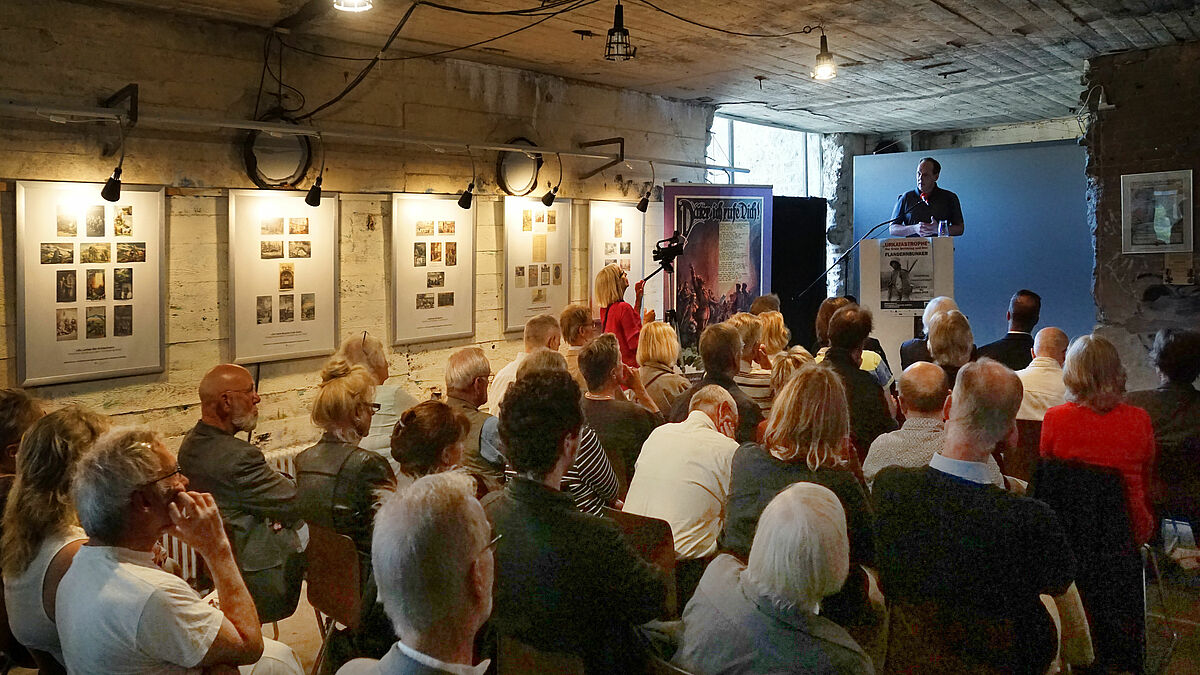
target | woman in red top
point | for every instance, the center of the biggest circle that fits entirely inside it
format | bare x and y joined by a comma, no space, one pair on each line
616,316
1096,427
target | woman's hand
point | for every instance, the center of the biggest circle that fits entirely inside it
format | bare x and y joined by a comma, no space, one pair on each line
639,289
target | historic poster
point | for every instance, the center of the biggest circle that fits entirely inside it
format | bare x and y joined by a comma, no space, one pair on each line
1156,212
433,269
535,233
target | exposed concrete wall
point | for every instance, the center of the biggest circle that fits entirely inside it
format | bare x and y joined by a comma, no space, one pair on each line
837,180
74,54
1059,129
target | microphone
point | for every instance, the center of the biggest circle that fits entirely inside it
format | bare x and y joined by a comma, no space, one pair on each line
925,198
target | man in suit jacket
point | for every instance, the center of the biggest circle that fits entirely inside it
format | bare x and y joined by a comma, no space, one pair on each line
257,503
1015,350
966,557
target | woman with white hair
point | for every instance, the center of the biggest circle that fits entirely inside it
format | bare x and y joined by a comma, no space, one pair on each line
764,617
951,343
366,350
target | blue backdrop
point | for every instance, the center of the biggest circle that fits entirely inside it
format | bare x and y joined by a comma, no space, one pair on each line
1024,207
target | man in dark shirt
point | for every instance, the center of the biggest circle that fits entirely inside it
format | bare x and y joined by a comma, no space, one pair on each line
918,211
565,581
1015,350
869,412
721,349
621,425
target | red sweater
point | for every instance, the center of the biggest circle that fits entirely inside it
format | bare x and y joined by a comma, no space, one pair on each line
1122,438
620,320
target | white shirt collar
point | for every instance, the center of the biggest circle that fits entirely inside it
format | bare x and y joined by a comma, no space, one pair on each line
1044,362
429,661
698,418
976,472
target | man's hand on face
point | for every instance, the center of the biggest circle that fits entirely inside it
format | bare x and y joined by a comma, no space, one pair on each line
196,521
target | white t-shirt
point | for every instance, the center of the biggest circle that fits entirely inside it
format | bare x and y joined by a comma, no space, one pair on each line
500,383
115,607
23,597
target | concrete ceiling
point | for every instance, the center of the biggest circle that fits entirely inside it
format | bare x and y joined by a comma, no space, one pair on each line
902,65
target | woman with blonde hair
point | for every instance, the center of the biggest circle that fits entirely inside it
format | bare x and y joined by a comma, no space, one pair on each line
776,336
616,315
657,352
950,342
366,350
1096,426
41,528
872,361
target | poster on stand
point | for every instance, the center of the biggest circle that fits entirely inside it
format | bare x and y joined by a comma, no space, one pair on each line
90,277
537,259
283,257
905,276
616,233
433,269
726,262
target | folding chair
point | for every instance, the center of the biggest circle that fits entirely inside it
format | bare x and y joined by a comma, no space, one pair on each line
334,583
651,539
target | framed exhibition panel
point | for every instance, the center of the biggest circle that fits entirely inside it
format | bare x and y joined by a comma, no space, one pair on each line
283,266
537,256
433,269
90,280
1156,212
615,235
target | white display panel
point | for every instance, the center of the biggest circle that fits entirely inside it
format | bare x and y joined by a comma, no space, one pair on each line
535,238
283,275
90,280
653,233
433,269
615,234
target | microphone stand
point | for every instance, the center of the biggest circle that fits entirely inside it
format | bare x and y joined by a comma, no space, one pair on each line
843,256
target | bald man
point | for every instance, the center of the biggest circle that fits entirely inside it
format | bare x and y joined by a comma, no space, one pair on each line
925,401
1043,378
257,503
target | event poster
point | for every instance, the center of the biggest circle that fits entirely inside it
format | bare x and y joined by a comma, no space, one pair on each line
433,269
283,275
537,259
905,275
90,276
726,261
616,236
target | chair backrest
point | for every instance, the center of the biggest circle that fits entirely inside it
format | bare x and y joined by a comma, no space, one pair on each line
1090,503
334,576
1021,461
518,658
651,539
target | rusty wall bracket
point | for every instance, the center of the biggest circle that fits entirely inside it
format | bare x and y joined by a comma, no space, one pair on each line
128,95
618,141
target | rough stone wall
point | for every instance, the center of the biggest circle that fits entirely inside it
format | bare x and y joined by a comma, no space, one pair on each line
75,54
1153,128
837,181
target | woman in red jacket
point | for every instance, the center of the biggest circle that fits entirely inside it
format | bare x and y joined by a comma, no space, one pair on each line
616,316
1096,427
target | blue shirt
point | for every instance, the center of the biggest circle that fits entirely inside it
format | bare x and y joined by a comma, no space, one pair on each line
976,472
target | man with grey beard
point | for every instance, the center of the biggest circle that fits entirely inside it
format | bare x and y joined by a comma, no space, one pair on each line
257,503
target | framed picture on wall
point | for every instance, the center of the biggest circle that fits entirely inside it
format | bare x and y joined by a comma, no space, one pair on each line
537,242
433,269
283,262
1156,212
620,228
90,280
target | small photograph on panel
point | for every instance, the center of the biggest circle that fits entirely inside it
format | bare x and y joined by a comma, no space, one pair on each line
287,308
610,261
435,280
556,275
64,286
58,254
610,248
545,275
68,221
300,249
97,323
270,226
95,221
618,228
95,284
131,252
539,295
446,299
425,300
419,254
451,253
539,216
97,253
625,264
518,280
308,306
123,222
527,221
123,283
626,247
533,276
122,320
66,324
552,218
265,310
425,228
270,249
287,276
297,225
435,251
445,227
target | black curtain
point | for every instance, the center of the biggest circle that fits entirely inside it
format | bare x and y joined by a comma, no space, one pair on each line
797,258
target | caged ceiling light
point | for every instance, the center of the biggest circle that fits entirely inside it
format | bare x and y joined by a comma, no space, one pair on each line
616,47
825,68
352,5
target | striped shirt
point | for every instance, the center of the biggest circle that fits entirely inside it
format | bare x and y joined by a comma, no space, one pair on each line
590,481
756,382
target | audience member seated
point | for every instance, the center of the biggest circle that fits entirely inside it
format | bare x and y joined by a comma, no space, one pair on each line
117,611
578,330
872,361
765,303
565,581
950,342
1096,427
1174,409
917,349
781,372
765,617
1014,349
870,414
807,440
682,477
18,411
962,561
621,425
925,402
467,375
540,331
41,530
258,504
591,481
1042,379
616,316
720,349
776,336
367,351
433,562
658,350
754,364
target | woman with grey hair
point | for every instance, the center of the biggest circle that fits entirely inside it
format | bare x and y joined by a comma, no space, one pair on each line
366,350
764,617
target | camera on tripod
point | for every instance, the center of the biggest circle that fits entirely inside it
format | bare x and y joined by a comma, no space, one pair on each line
667,250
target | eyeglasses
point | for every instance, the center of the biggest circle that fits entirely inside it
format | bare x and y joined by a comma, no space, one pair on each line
375,407
364,341
148,483
490,377
492,543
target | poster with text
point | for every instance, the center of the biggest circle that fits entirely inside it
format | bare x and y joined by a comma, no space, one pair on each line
726,261
537,259
90,275
283,275
433,269
616,233
905,276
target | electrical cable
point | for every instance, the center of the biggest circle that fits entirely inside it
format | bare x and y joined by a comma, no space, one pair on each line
803,31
